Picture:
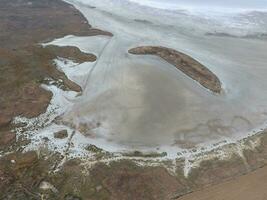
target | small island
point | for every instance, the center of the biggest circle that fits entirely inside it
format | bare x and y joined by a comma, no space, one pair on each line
185,64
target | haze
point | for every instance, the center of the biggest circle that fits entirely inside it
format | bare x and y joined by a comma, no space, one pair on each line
228,4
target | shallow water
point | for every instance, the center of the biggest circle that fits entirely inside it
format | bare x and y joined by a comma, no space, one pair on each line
143,101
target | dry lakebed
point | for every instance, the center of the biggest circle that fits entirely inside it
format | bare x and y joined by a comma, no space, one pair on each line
128,100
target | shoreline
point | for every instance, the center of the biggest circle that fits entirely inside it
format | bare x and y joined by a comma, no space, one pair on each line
193,156
189,152
103,172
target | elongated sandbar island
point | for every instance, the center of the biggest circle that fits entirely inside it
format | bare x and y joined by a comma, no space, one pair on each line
185,64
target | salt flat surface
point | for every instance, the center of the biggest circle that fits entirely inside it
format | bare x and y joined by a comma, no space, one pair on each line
144,101
132,102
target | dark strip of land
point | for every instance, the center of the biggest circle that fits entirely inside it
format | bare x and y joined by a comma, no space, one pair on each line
185,64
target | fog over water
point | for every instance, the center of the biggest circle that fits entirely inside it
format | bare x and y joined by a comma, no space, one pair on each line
226,4
144,101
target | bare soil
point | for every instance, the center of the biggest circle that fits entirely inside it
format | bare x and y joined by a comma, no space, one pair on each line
251,186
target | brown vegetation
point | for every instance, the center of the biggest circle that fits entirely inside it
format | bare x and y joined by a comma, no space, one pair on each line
185,64
24,64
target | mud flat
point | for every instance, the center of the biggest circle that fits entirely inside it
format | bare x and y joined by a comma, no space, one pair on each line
184,63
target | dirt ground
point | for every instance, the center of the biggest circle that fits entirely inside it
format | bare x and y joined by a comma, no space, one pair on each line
252,186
